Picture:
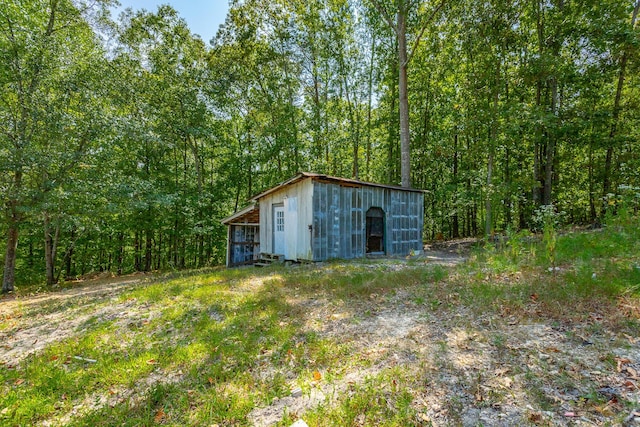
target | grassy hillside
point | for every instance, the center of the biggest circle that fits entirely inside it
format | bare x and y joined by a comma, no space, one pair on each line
530,332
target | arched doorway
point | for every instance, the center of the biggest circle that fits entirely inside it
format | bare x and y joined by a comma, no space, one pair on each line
375,230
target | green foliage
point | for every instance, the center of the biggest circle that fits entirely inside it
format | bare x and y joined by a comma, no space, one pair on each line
548,219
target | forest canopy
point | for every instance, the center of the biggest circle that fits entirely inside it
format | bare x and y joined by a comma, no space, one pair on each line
124,140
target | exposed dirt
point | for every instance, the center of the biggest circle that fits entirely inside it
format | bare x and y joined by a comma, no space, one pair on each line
475,371
466,369
30,324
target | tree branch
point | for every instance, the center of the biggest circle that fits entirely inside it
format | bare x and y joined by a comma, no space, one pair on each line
423,29
385,15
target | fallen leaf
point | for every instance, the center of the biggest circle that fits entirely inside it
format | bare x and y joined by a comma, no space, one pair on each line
569,414
631,372
500,372
535,417
424,417
151,362
160,415
317,376
210,380
478,394
552,350
605,410
534,297
54,358
18,381
621,362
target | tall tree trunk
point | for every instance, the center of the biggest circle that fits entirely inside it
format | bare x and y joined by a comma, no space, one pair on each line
551,147
403,99
493,135
14,218
369,109
455,232
538,149
392,141
550,172
606,182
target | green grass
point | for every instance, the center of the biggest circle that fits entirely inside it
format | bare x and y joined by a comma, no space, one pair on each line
208,347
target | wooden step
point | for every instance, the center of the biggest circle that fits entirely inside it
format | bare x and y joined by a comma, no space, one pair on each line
262,264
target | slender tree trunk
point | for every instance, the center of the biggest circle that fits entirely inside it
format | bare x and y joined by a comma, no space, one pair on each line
508,206
137,248
455,232
50,249
159,257
148,258
120,252
8,278
592,203
68,259
488,228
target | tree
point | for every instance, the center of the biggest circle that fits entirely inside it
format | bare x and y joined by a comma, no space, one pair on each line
46,45
402,9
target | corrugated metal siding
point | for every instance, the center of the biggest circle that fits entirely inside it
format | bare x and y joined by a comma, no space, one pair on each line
339,220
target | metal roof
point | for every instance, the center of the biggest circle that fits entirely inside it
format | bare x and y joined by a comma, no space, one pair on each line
328,178
248,215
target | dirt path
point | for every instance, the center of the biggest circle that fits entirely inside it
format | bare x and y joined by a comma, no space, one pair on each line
29,324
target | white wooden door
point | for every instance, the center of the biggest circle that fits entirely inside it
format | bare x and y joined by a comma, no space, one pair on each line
278,230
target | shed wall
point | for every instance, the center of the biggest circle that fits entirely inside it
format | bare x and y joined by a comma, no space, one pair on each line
339,220
298,217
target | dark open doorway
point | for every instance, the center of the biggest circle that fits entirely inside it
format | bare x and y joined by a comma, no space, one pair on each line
375,230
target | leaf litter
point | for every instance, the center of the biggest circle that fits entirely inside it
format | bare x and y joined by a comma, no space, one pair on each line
468,369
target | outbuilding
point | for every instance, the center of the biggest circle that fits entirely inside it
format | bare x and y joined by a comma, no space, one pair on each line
315,217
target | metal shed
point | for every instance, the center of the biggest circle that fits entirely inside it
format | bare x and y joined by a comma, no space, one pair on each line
315,217
243,236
